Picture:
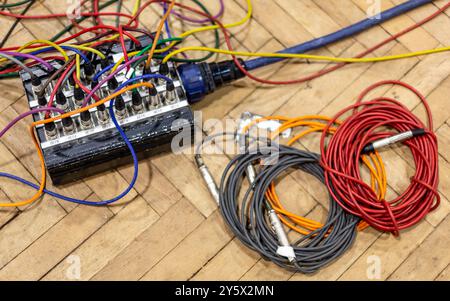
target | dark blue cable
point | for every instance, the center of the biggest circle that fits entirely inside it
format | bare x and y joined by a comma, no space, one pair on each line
83,202
341,34
101,72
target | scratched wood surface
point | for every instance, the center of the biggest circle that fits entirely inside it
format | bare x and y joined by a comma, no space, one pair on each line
168,227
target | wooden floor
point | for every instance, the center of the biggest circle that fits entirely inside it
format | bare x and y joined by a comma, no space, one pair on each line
169,227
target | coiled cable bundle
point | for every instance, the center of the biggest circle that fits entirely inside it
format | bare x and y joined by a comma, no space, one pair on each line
365,131
254,222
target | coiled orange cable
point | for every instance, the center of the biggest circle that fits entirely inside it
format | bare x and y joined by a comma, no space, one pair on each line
316,123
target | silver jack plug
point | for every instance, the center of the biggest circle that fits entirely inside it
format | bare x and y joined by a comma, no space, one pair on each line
208,178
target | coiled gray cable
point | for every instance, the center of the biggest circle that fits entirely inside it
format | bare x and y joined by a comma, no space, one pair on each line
247,217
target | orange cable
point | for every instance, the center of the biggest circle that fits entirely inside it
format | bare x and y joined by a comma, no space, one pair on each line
158,33
374,163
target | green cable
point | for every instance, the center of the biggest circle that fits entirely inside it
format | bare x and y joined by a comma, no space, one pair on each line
69,27
178,60
147,48
118,10
206,57
6,5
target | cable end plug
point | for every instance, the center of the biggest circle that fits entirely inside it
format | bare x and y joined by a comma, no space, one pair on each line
398,138
208,178
285,249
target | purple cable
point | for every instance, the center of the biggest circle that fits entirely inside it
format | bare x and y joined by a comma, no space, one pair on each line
23,115
201,21
32,57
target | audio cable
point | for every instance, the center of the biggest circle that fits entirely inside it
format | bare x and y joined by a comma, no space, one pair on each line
203,79
375,124
253,218
255,223
310,124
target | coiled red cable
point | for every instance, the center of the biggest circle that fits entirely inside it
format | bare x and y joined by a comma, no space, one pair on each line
341,160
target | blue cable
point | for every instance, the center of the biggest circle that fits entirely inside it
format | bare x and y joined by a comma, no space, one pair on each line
166,22
101,72
83,202
339,35
84,57
127,142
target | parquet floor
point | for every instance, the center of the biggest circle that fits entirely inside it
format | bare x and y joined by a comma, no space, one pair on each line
168,227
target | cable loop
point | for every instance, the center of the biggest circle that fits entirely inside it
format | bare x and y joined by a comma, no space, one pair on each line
387,206
367,123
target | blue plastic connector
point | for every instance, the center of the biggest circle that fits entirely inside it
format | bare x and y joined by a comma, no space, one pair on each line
202,79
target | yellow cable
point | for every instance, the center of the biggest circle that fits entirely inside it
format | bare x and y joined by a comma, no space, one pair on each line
247,17
307,56
78,67
84,48
137,4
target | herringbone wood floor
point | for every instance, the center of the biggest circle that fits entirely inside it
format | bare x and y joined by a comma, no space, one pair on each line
169,227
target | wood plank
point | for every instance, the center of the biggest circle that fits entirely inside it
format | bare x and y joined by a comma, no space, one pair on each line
434,249
169,226
23,230
56,243
390,251
108,241
186,259
153,244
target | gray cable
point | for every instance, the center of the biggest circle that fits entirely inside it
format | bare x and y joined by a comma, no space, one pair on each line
247,217
19,63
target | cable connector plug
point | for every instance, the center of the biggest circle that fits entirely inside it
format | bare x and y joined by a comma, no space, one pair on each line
285,249
208,178
202,79
376,145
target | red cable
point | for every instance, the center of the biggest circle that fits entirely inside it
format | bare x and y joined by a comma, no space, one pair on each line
58,84
341,161
124,47
51,16
96,10
87,30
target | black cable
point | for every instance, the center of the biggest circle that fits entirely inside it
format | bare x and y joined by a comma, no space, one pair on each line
16,22
6,5
247,217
